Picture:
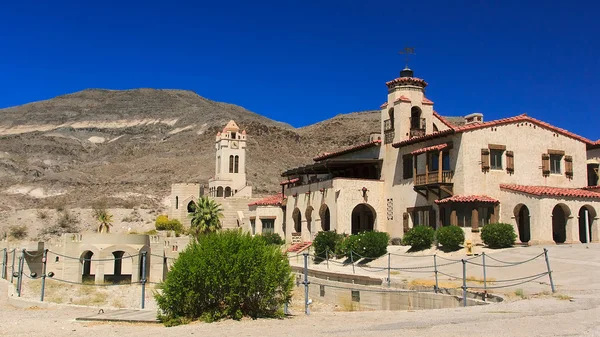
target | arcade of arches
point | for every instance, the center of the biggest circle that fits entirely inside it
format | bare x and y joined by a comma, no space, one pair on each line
363,218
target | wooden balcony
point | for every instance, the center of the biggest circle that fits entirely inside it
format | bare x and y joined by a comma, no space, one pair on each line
388,125
435,182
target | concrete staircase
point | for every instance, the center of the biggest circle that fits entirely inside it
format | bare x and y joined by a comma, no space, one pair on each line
231,206
297,248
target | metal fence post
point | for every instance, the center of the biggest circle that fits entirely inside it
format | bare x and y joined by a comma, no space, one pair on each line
352,261
44,262
464,286
435,270
389,269
12,268
327,256
306,283
20,279
143,280
549,270
4,262
484,277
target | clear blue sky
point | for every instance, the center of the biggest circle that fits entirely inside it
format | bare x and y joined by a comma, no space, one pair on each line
305,61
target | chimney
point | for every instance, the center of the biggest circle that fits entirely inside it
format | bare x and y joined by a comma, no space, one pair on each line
374,136
476,117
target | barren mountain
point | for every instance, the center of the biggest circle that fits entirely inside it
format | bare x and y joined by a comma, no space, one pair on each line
128,147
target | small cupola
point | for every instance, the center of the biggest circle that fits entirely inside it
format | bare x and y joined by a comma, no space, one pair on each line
476,117
407,72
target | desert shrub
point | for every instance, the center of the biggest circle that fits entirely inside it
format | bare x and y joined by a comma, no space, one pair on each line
326,241
272,238
18,232
151,232
67,222
164,224
450,237
396,241
42,214
161,220
226,274
419,237
134,216
498,235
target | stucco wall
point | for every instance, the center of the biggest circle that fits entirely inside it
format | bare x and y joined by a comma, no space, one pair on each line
267,212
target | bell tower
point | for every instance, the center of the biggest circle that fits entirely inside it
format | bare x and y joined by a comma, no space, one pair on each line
230,163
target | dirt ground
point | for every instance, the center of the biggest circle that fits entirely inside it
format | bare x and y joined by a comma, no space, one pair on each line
573,311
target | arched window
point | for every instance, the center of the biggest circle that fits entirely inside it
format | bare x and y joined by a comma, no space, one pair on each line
219,164
230,164
176,202
415,119
237,164
391,114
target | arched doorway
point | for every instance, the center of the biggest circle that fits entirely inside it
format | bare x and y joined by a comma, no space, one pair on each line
220,191
227,192
297,217
191,207
585,234
363,218
86,264
559,223
522,216
325,218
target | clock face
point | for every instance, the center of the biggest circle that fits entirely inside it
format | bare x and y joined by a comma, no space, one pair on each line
234,144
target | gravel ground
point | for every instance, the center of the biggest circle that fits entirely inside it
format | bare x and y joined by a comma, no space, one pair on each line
575,313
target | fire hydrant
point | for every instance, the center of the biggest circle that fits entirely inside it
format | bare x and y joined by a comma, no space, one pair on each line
469,247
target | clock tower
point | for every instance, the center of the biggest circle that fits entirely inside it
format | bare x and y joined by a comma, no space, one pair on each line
230,164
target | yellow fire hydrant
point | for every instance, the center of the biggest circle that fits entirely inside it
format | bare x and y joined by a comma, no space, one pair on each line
469,247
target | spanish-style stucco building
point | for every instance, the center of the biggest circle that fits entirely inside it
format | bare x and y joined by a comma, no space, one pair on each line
426,169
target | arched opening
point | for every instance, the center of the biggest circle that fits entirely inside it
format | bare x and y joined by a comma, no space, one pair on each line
86,270
297,217
227,192
592,173
435,128
236,164
363,218
191,207
220,191
415,118
585,223
308,215
559,223
523,222
325,218
230,164
391,115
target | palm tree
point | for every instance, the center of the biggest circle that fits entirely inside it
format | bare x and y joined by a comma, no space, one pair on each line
104,219
206,217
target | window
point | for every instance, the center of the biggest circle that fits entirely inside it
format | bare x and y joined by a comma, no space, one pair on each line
446,161
407,163
555,160
496,159
230,164
237,164
176,202
390,209
268,225
434,160
253,226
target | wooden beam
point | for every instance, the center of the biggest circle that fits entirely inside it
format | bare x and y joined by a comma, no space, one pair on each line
426,168
433,190
475,220
447,189
440,166
453,218
424,194
414,167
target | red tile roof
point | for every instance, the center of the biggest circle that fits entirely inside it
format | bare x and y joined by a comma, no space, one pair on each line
430,148
291,181
347,150
504,121
467,198
383,105
407,80
274,200
552,191
427,101
443,120
402,99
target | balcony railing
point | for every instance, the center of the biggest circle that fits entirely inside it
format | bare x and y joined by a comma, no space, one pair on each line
417,127
434,178
388,125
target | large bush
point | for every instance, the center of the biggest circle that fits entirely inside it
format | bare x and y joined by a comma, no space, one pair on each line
450,237
272,238
164,224
498,235
419,237
365,244
326,241
226,274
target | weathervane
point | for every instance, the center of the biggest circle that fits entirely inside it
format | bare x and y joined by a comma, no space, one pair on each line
407,52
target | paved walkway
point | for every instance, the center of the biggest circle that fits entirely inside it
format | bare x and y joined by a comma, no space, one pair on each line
123,315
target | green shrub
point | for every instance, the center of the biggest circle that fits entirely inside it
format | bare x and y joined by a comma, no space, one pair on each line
226,274
272,238
326,241
151,232
450,237
371,244
164,224
498,235
349,242
419,237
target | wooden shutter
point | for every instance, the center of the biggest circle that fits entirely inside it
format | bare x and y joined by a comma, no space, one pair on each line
510,162
545,164
569,166
485,160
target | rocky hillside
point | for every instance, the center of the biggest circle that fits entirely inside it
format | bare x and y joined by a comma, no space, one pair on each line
127,147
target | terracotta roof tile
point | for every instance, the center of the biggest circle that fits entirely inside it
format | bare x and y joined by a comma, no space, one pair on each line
291,181
467,198
274,200
383,105
347,150
430,148
402,99
552,191
504,121
407,80
426,101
